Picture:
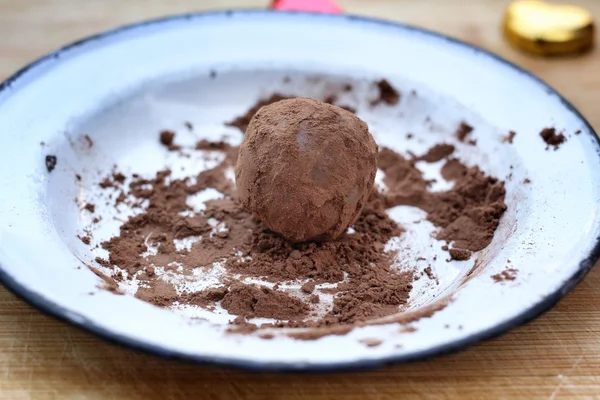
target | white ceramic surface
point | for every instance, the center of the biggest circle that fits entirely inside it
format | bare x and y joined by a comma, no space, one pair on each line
123,87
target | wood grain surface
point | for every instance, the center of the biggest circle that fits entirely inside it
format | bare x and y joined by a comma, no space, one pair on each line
556,356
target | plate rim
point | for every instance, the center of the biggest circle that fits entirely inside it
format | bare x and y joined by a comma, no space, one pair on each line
61,313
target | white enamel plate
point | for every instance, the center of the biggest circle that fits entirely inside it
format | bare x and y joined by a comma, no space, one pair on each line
121,88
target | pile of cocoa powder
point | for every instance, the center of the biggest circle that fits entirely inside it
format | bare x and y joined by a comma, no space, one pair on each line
552,138
354,270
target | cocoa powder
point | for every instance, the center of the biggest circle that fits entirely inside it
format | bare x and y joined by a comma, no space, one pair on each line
510,137
387,94
552,138
362,276
509,274
463,131
252,301
468,214
85,239
437,153
167,138
459,254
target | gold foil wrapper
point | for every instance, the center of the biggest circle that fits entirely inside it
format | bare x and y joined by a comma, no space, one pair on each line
547,29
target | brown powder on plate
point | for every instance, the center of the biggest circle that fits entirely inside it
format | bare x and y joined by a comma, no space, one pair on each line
429,272
308,287
437,152
160,294
89,140
252,301
552,138
369,342
468,213
120,198
387,94
85,239
90,207
366,284
106,183
212,146
509,274
167,138
453,170
463,131
460,254
118,177
108,283
375,286
510,137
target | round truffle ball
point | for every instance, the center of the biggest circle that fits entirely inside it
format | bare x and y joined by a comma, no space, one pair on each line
306,168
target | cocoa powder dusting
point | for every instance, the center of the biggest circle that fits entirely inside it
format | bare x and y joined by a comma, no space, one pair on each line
468,214
371,342
308,287
509,274
252,301
387,94
160,294
363,277
108,283
88,140
85,239
463,131
437,153
460,254
552,138
430,273
167,138
510,137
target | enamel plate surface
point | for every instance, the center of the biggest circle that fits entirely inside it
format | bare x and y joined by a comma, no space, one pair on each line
123,87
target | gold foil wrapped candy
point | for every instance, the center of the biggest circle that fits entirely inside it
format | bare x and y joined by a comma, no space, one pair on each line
548,29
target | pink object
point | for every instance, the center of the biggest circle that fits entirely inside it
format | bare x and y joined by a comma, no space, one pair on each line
322,6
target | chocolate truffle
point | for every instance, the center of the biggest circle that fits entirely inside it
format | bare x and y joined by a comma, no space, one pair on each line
306,168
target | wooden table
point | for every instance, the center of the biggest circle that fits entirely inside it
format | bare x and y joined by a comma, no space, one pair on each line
557,356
